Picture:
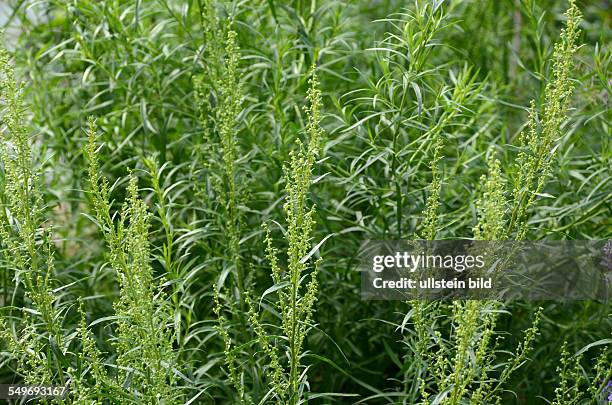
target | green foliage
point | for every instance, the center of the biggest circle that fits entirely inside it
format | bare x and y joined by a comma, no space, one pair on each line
181,280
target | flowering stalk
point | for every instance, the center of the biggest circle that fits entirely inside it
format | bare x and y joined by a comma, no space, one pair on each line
537,141
144,335
219,120
26,245
295,303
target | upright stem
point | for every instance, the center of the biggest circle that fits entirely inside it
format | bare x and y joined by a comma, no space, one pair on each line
293,349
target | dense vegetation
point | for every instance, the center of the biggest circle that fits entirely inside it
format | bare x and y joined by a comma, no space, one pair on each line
185,186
